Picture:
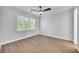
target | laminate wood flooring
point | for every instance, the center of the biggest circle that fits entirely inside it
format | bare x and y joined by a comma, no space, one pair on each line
40,44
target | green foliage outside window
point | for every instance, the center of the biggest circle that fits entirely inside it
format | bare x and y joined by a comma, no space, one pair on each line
24,23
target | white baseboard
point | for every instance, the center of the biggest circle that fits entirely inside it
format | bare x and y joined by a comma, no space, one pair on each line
34,35
18,39
77,48
56,37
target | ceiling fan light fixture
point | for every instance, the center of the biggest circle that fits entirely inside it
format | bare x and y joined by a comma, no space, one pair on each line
40,12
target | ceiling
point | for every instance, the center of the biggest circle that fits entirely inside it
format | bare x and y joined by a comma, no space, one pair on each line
54,9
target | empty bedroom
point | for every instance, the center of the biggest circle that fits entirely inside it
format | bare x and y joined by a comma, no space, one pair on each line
38,29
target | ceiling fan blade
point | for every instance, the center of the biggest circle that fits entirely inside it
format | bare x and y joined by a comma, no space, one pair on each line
35,10
47,9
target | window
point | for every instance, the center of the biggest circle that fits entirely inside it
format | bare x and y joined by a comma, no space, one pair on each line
31,24
25,23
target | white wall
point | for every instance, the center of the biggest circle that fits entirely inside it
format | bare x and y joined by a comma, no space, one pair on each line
75,25
58,25
0,26
78,28
8,25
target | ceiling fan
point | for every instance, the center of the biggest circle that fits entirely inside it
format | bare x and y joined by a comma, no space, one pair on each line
40,10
